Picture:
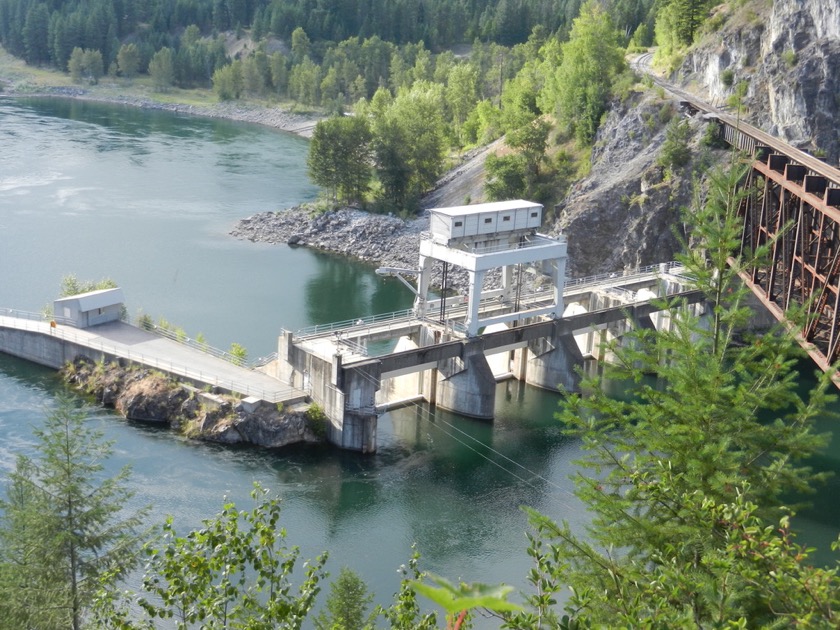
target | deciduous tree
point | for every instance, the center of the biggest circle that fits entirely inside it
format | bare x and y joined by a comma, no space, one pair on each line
578,91
128,60
340,157
162,69
234,572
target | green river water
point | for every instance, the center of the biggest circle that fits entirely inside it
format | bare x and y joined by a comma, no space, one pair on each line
147,198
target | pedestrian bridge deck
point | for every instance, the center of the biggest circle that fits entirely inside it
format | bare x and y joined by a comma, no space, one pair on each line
124,341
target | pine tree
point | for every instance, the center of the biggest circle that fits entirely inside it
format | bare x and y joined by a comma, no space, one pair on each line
688,472
63,528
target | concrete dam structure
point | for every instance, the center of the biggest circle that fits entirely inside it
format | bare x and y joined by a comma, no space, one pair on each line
450,351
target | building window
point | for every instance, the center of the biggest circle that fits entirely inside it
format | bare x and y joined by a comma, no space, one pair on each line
505,218
533,215
488,220
459,223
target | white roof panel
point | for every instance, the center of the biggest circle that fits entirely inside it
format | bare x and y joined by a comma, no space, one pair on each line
96,299
477,208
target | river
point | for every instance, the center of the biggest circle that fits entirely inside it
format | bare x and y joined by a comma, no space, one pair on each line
147,198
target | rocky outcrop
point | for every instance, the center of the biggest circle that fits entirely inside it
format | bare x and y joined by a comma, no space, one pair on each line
144,395
378,239
788,53
624,213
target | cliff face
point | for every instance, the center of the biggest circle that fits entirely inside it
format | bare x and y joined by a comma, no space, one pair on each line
788,52
626,212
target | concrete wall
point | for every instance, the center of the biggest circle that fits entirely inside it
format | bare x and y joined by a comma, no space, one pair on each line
44,349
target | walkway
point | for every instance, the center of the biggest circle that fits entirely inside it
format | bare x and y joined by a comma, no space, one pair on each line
121,340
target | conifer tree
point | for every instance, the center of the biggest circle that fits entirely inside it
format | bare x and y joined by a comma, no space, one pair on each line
62,527
688,475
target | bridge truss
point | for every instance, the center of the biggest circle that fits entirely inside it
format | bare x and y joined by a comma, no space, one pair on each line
793,206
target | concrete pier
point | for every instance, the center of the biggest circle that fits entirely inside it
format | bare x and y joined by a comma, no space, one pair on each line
554,362
466,384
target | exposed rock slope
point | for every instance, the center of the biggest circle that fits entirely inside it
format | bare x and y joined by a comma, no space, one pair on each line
624,213
788,52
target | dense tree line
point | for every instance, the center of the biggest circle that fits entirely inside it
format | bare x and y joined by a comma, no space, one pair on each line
42,31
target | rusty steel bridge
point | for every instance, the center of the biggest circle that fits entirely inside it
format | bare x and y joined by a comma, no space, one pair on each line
792,206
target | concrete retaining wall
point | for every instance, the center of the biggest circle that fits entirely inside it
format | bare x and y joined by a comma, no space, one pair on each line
44,349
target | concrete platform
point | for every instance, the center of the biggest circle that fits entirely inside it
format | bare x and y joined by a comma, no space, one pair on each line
42,343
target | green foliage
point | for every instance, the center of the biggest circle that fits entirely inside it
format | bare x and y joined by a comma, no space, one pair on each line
64,527
234,572
736,99
71,285
531,140
408,142
724,427
789,57
317,420
404,613
162,69
340,156
146,322
675,152
85,65
228,81
592,58
238,353
506,177
727,77
128,60
459,600
347,604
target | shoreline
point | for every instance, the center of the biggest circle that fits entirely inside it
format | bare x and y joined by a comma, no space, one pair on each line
23,84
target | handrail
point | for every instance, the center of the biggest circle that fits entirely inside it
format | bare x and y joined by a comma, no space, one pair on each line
36,322
311,331
532,296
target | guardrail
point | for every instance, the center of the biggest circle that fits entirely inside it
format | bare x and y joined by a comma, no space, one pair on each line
532,297
362,322
36,322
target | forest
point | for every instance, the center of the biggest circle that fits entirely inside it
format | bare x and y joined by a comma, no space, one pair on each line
455,74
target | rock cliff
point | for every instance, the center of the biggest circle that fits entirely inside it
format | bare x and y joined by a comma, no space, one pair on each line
626,212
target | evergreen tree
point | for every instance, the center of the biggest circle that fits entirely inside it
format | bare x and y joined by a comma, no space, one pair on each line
347,604
36,34
63,529
687,473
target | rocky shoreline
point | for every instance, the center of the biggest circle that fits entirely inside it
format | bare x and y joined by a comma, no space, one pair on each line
302,124
377,239
144,395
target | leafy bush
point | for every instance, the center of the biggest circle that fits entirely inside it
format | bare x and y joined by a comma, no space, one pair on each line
317,420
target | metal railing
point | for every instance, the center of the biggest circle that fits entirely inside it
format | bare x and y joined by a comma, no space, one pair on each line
361,322
37,322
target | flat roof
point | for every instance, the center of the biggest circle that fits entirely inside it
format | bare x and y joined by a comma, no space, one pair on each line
495,206
95,299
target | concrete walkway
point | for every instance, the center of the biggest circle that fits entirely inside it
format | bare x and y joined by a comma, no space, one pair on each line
124,341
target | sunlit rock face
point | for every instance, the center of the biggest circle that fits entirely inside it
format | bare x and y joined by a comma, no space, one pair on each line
788,53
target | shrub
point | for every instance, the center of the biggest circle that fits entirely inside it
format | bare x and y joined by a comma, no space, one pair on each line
317,420
727,77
